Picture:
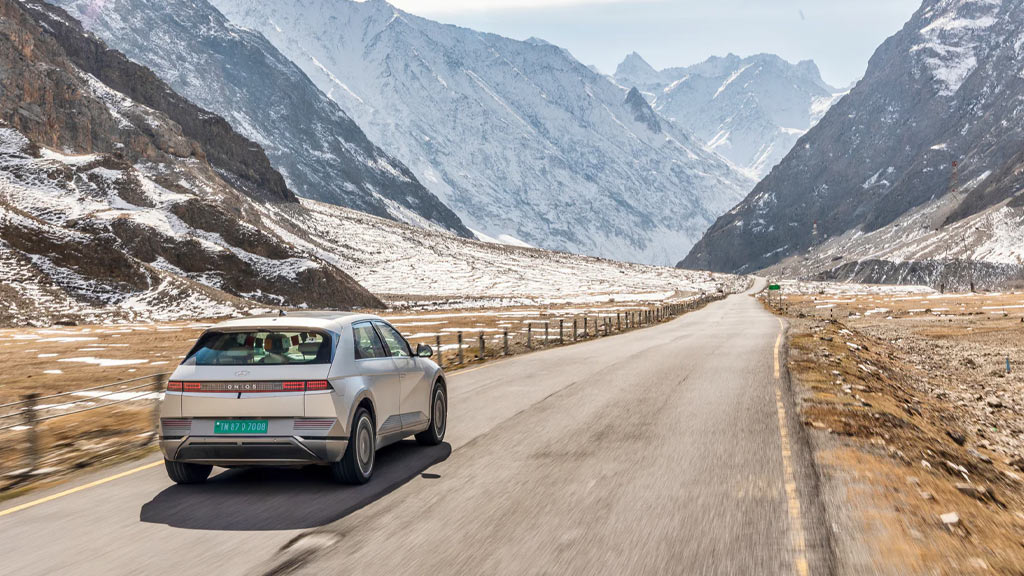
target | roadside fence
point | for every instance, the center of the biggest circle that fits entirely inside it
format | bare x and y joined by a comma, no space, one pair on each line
464,347
28,415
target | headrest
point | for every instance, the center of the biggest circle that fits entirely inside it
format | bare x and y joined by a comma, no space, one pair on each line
276,344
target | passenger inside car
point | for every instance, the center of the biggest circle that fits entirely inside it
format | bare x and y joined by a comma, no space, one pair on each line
276,346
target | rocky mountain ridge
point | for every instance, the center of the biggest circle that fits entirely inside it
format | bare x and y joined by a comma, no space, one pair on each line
239,75
928,140
109,209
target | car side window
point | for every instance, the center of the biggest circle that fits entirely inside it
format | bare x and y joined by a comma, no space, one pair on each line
393,340
367,343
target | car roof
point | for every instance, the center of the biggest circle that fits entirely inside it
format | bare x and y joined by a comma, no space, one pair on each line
325,320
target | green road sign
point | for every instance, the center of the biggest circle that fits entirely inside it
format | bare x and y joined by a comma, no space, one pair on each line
773,287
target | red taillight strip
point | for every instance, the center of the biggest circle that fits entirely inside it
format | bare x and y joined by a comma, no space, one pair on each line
174,386
252,387
314,385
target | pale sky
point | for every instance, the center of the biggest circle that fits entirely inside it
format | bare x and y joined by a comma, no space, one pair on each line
839,35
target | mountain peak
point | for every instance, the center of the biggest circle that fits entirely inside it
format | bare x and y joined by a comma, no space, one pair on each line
810,69
633,65
642,110
749,109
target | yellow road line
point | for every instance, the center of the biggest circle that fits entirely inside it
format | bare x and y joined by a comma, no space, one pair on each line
792,497
78,488
468,370
775,354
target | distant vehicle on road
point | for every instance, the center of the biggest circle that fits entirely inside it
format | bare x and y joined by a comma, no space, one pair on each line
305,388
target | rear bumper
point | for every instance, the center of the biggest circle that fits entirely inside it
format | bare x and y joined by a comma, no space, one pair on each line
225,450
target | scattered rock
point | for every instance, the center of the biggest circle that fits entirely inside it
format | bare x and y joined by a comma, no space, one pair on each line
957,468
926,495
993,402
965,488
950,519
956,437
980,493
978,455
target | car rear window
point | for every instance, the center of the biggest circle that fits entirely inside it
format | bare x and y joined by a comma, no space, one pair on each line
268,347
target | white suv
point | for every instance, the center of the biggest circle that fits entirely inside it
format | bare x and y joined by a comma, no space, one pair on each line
305,388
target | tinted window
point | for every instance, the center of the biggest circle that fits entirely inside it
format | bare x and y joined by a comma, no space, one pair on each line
396,345
261,347
366,342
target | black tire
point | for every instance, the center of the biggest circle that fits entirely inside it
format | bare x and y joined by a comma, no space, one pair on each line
434,434
185,473
356,466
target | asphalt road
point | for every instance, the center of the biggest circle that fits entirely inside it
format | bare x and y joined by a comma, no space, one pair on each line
668,450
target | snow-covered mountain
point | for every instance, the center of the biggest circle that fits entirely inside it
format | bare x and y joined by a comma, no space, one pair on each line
871,190
519,138
750,110
237,74
111,209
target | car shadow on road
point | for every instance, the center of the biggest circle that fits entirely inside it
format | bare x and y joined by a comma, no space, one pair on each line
285,499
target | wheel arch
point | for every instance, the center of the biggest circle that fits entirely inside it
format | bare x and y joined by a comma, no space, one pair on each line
362,400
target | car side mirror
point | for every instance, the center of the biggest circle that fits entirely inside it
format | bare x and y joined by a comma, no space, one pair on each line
424,351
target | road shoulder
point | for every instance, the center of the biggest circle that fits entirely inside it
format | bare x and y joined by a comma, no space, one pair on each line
901,494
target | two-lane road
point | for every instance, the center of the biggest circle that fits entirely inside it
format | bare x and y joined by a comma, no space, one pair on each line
669,450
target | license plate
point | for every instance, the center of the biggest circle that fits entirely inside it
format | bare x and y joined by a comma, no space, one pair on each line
240,427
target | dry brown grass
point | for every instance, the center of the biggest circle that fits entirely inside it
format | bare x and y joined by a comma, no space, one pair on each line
901,429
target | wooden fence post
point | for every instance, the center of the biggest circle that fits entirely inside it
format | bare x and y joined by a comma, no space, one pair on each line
460,348
437,346
481,343
529,335
546,323
618,321
505,336
33,434
574,329
561,325
160,385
